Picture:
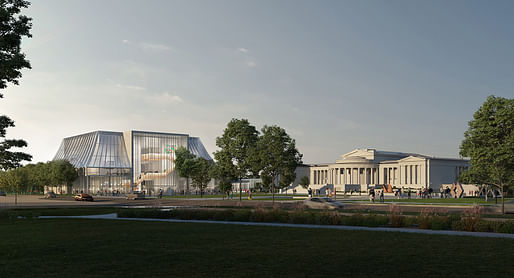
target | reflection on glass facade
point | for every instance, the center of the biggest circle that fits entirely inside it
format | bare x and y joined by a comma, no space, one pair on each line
153,160
112,162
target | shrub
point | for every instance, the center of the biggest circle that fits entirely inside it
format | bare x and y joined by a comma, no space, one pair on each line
242,215
438,222
425,218
396,217
301,217
471,217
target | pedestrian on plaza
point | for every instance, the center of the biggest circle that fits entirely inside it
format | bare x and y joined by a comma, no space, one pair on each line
382,196
372,195
408,193
160,193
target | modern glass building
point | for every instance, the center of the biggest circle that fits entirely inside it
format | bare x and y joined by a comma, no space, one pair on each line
111,162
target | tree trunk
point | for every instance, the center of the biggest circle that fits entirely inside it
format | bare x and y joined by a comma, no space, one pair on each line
503,200
273,191
240,190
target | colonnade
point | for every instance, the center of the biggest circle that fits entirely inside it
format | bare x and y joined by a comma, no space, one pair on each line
346,175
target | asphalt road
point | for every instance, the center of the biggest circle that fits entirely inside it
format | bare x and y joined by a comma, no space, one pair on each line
67,201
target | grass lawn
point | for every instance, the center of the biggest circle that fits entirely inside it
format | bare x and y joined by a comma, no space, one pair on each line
107,248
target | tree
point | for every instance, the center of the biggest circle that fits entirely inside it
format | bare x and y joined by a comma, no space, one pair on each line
235,144
13,27
62,172
276,156
202,174
489,143
10,159
304,182
14,180
185,164
224,179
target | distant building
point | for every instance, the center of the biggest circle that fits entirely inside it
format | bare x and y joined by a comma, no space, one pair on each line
361,169
127,161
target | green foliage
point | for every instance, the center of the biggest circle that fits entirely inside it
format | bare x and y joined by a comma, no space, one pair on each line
427,220
304,182
13,27
13,180
238,139
36,176
199,169
489,143
184,162
202,174
276,156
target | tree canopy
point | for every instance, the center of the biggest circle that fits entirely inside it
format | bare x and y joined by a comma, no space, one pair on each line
34,177
238,139
489,143
13,27
276,156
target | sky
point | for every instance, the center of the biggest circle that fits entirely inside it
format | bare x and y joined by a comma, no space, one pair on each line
336,75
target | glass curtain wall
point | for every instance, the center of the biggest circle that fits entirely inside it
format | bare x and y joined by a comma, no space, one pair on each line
153,160
102,160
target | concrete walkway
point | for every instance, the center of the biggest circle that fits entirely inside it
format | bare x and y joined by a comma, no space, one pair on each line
113,216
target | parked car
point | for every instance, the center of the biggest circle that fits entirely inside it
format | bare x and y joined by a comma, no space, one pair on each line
83,197
49,195
322,203
2,193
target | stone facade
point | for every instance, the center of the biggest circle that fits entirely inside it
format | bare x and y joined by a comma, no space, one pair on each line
361,169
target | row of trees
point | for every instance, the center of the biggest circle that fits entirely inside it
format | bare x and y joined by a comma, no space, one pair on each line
34,177
244,153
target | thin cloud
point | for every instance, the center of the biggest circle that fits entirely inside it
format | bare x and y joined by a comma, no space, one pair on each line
154,46
243,50
130,87
147,45
251,64
167,98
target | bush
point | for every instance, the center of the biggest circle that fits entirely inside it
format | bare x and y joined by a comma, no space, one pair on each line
396,217
301,217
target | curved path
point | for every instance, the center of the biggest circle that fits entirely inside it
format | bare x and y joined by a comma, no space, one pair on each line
113,216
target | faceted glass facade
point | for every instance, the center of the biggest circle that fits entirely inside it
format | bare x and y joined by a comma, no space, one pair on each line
111,162
153,160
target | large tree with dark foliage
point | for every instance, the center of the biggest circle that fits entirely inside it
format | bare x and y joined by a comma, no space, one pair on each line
236,143
489,143
276,156
13,27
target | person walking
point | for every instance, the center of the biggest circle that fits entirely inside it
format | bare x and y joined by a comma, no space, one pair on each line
372,195
382,196
160,193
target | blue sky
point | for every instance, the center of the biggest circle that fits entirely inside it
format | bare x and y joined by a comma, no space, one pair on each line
337,75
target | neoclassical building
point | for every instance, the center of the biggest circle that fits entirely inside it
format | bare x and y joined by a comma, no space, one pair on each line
362,168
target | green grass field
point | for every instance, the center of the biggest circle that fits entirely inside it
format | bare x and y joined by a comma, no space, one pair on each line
107,248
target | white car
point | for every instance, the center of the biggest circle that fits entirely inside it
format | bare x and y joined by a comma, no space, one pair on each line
322,203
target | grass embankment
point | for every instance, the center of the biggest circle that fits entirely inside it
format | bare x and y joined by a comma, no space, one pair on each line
106,248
